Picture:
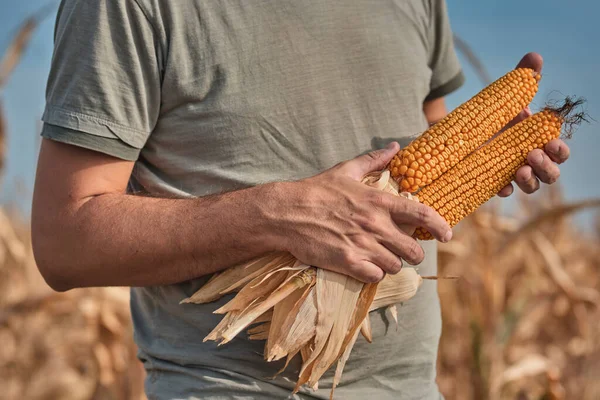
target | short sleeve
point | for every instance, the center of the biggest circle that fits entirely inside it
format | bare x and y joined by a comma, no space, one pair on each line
447,74
103,90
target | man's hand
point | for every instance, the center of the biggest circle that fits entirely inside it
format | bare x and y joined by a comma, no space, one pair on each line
333,221
541,165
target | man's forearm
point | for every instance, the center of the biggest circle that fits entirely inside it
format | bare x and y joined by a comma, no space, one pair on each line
124,240
87,232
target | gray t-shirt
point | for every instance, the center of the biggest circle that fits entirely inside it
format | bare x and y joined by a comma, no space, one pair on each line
212,96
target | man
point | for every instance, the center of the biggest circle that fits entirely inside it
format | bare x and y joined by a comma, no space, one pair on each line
184,137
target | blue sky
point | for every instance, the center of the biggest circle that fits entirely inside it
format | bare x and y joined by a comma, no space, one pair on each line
500,32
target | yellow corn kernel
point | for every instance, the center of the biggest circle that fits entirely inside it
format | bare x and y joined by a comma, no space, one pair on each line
466,128
483,174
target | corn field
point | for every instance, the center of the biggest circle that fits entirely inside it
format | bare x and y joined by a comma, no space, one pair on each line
522,321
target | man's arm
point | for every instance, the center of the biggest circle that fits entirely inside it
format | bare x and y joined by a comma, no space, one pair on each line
88,232
435,110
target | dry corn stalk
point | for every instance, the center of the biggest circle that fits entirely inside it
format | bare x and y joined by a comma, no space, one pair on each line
319,313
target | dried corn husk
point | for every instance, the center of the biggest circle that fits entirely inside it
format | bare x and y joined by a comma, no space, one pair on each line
236,277
312,311
365,330
397,288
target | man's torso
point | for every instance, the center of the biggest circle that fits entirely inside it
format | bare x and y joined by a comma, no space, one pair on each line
258,91
270,90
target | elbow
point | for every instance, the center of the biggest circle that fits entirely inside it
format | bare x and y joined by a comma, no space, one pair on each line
53,278
51,272
49,259
56,284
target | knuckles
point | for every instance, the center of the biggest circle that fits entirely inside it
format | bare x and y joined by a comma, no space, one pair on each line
369,223
378,199
424,215
374,155
413,253
355,266
349,258
362,241
373,275
394,267
530,186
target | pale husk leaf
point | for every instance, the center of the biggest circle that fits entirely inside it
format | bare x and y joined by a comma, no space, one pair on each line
365,330
342,363
329,289
260,328
305,278
235,277
394,289
297,329
342,322
253,292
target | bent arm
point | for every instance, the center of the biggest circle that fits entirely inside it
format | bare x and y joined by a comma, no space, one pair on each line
435,110
87,231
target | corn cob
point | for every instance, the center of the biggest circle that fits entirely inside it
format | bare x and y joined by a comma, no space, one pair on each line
463,130
476,179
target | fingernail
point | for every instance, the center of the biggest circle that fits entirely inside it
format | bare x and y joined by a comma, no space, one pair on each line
390,146
537,159
447,236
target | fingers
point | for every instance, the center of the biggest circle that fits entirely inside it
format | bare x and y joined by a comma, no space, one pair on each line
506,190
558,151
526,180
376,160
533,61
377,261
402,245
413,213
365,271
543,167
386,260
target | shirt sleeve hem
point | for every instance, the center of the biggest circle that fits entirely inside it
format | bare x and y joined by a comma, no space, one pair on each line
94,126
447,88
106,145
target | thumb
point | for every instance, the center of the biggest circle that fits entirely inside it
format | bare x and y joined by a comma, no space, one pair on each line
373,161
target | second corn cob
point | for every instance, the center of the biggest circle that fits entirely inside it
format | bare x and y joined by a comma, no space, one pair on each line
481,175
463,130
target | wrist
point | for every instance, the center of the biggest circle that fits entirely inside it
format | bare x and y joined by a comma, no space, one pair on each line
273,214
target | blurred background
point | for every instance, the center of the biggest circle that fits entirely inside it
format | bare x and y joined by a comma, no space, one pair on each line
522,322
